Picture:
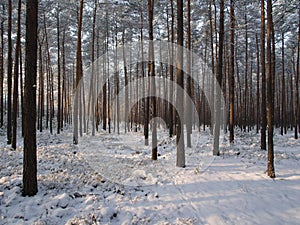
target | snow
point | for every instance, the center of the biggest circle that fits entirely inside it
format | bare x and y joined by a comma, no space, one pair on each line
111,179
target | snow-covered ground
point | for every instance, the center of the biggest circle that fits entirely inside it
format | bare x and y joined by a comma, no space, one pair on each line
110,179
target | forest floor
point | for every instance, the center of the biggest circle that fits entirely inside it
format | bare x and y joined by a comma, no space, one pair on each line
111,179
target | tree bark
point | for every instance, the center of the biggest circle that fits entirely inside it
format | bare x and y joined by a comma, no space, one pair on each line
297,107
9,73
30,186
171,108
16,80
231,75
189,80
78,75
263,145
270,92
180,84
212,85
2,70
151,73
58,115
257,86
219,80
283,90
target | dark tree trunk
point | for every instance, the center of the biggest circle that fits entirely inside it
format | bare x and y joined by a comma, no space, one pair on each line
9,73
126,82
2,70
270,92
189,80
246,99
171,108
58,115
297,107
63,110
78,75
231,75
41,88
151,75
263,81
257,87
180,84
212,93
283,96
16,80
30,187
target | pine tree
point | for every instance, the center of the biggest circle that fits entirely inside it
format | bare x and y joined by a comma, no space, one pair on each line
30,186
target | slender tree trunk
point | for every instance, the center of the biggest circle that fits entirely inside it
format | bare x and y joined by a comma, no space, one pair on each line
21,90
263,81
30,186
257,86
16,80
117,84
219,80
212,85
270,93
93,82
2,70
231,75
126,82
63,115
297,107
51,95
189,82
151,74
171,108
283,96
9,73
78,75
58,72
246,99
41,87
180,84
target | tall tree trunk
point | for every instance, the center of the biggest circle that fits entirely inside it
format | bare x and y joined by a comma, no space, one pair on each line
263,81
105,108
283,90
189,82
21,89
297,107
41,87
93,81
246,99
2,70
219,80
212,85
152,80
270,92
180,80
58,72
117,83
9,73
231,75
30,187
63,115
78,75
16,80
171,108
126,81
257,86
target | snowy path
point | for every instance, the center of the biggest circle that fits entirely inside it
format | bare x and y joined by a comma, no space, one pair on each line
78,185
